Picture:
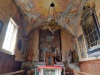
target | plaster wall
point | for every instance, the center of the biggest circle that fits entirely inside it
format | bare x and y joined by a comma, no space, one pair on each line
67,44
9,10
33,42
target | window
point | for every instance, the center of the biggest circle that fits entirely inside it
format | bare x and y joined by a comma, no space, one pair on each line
10,37
90,28
90,31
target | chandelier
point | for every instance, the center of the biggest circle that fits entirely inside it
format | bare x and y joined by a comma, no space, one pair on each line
51,19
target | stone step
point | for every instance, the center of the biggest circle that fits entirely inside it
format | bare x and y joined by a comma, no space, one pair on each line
44,64
59,63
39,62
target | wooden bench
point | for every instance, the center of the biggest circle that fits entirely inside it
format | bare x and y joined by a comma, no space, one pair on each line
84,73
20,72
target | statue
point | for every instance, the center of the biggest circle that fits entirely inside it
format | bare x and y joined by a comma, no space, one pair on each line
30,55
70,56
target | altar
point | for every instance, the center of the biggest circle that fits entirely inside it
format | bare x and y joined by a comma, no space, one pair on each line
50,70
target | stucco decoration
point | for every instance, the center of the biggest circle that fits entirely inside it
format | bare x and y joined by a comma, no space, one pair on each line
36,11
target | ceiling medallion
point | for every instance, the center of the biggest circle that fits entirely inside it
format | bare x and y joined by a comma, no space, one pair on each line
52,24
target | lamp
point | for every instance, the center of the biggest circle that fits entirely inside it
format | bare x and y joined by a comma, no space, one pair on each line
51,19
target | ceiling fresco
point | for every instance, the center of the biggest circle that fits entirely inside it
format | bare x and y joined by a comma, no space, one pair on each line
35,12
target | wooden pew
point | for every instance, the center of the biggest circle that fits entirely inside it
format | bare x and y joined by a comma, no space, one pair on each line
8,63
73,72
20,72
84,73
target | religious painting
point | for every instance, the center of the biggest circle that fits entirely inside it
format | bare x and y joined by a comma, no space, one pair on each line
82,46
19,44
49,42
1,24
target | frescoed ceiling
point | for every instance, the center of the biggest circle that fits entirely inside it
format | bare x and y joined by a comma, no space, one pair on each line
35,12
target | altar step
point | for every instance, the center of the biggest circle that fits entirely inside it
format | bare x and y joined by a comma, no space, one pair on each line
59,64
36,64
44,64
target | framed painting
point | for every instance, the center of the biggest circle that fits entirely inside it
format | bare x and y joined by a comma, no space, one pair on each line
49,42
82,46
19,44
1,25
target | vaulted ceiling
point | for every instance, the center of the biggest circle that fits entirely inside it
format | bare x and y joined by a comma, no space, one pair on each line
34,12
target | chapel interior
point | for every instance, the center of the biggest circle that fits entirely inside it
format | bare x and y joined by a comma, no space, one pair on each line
49,37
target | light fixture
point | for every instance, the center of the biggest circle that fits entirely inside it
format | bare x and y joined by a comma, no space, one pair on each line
51,19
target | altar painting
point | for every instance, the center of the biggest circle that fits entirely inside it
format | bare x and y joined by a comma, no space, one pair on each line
49,42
